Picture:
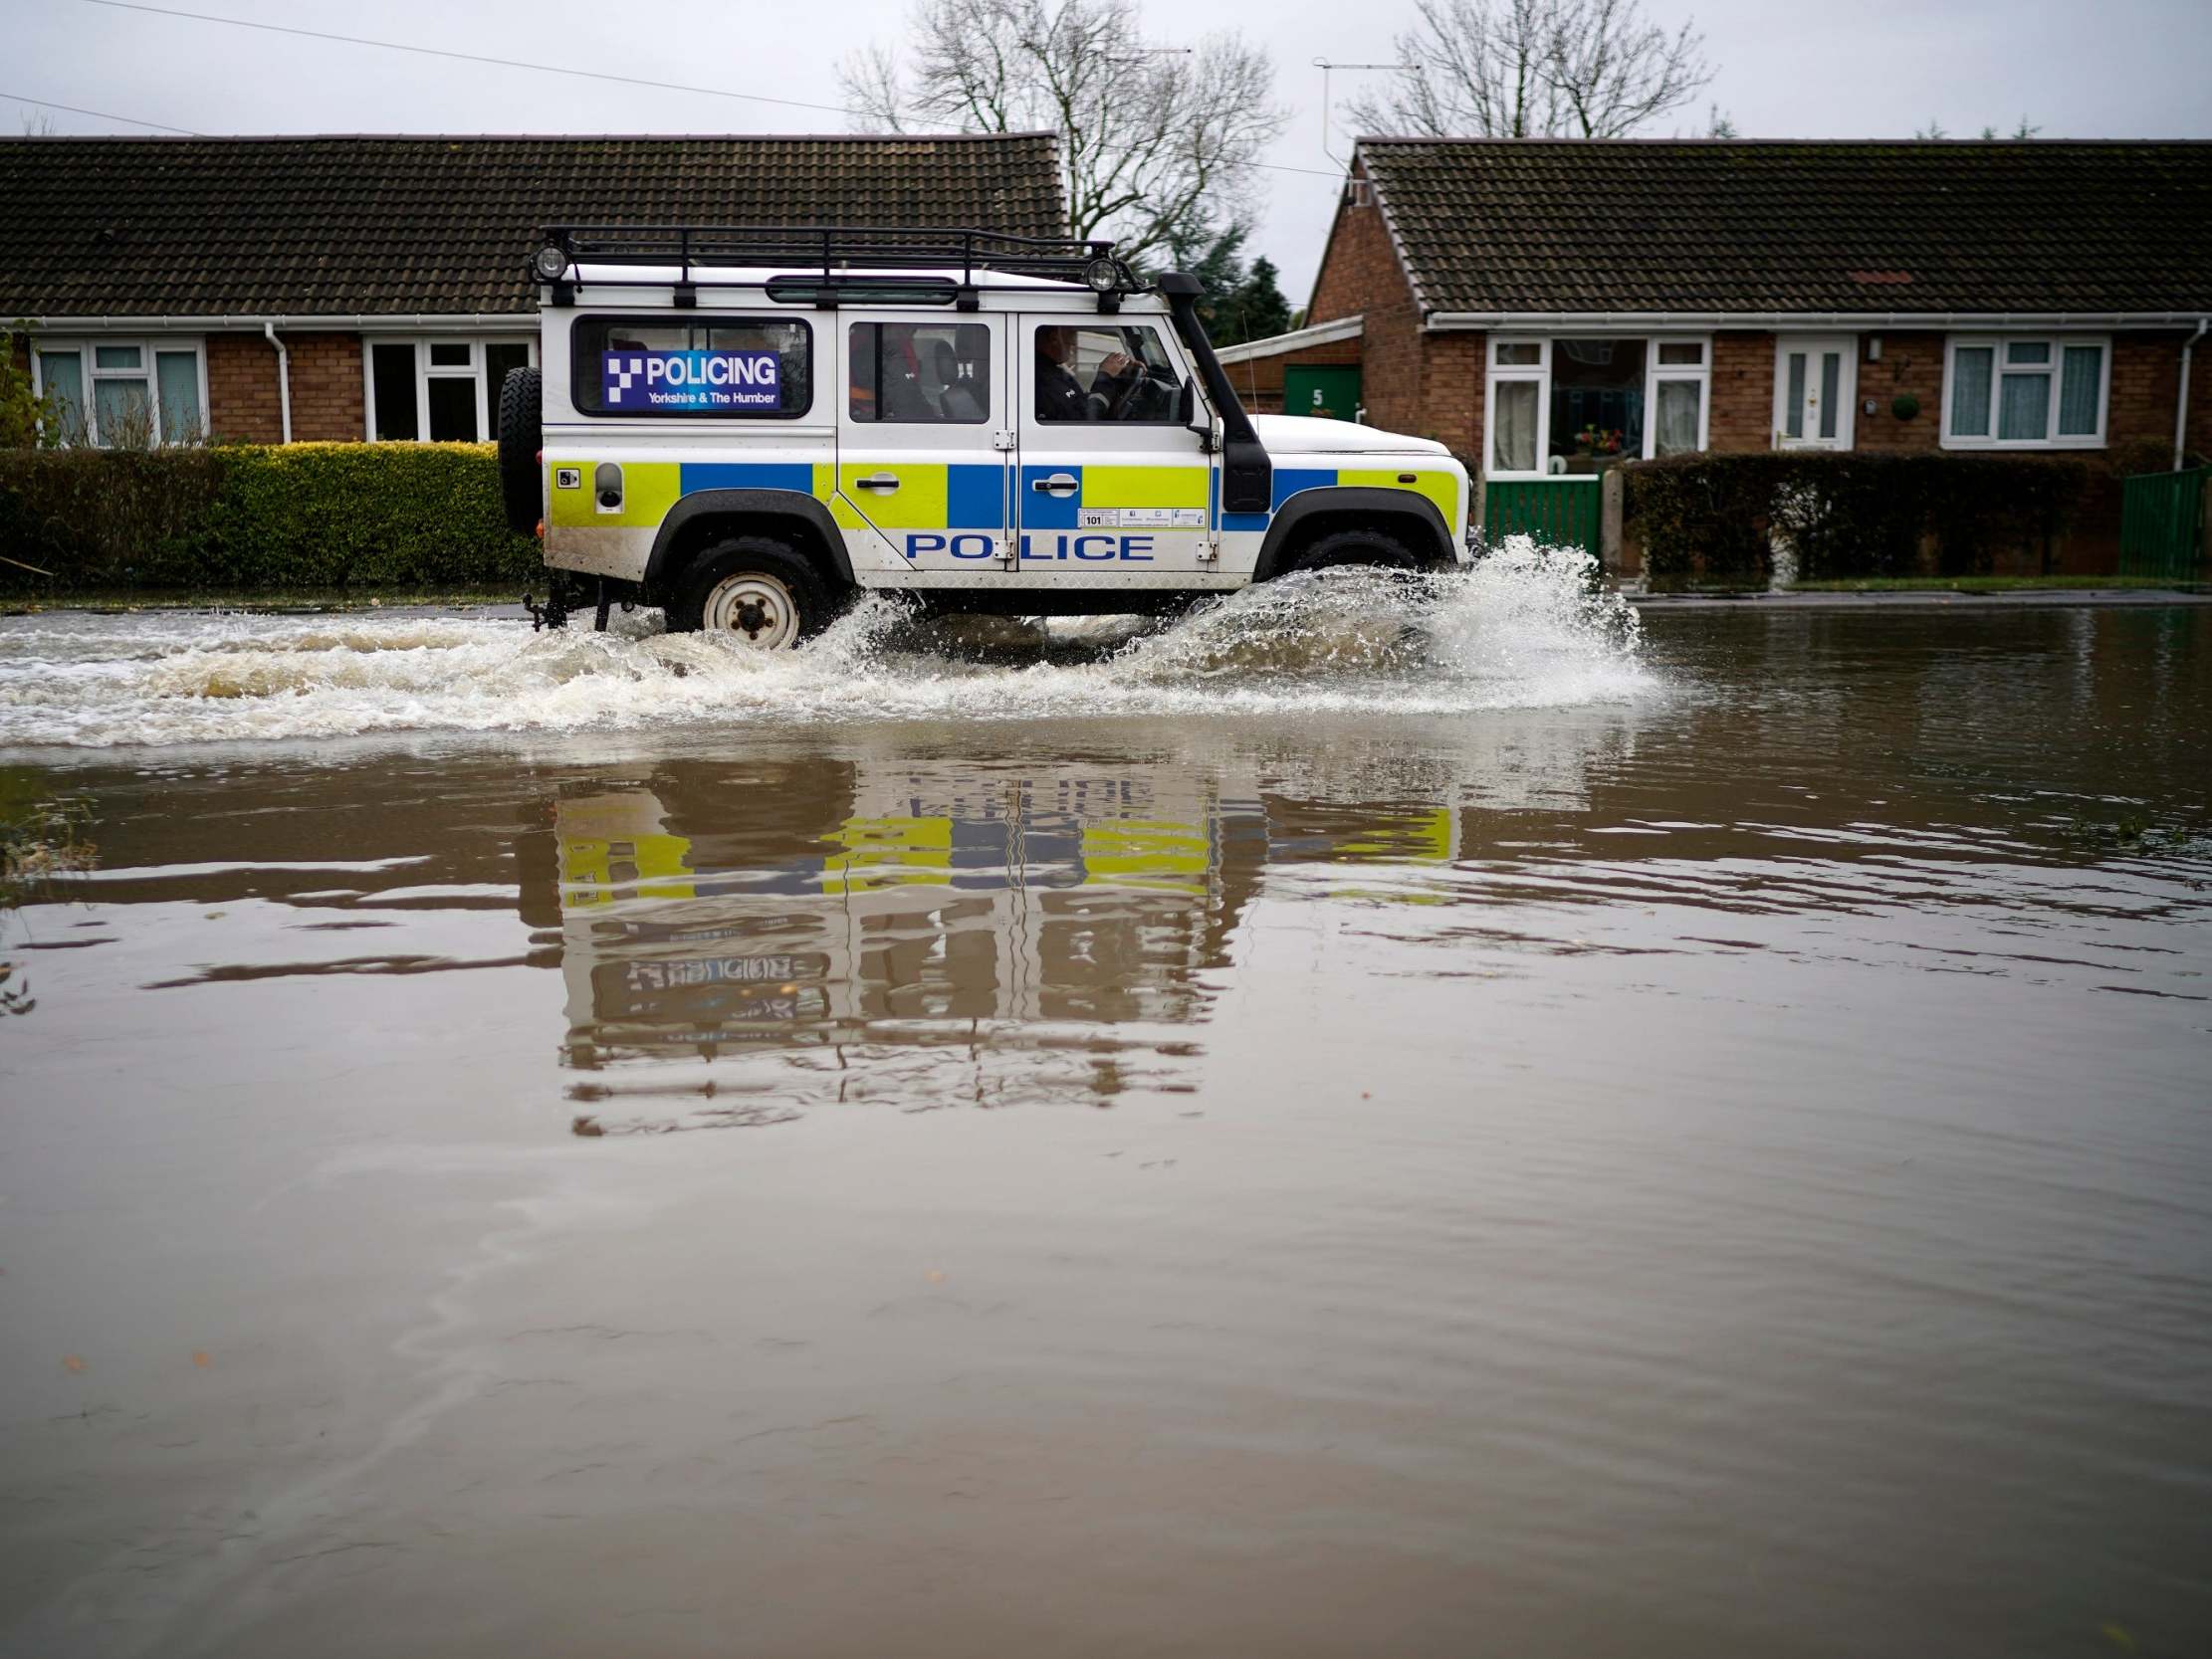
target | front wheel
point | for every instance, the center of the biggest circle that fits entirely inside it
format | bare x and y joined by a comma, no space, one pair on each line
1338,549
754,588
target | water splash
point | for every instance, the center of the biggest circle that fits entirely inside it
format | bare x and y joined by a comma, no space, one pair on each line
1522,629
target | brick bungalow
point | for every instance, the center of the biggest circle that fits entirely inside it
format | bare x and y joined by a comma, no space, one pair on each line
352,289
1545,307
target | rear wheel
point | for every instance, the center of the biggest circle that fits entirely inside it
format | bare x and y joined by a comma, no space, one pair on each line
1356,546
754,588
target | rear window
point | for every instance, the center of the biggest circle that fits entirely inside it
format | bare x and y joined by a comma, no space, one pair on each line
695,369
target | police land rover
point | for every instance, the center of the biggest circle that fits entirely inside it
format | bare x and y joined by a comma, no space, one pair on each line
748,427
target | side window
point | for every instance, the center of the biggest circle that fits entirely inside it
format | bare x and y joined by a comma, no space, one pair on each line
713,367
1100,372
923,373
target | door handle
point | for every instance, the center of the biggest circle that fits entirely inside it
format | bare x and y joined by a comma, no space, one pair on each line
878,480
1057,484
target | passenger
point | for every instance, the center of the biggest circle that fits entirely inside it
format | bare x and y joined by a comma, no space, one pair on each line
1060,396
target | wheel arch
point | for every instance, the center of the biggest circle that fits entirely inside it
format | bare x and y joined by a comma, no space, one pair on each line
693,522
1315,513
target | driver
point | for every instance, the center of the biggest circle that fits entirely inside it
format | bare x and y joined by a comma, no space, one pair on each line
1060,396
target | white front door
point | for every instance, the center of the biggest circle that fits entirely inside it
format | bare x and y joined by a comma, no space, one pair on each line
1115,489
1816,381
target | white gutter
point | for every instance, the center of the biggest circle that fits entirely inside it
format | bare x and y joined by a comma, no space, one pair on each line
1321,333
284,377
2181,400
366,322
1439,320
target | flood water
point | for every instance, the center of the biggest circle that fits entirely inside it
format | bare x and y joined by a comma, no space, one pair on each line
1357,1124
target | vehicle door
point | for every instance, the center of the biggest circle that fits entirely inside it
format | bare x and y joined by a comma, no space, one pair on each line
925,449
1115,489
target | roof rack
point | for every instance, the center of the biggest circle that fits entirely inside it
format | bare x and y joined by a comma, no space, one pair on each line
832,249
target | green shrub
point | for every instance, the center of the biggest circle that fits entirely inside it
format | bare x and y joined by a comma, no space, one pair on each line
1851,514
254,517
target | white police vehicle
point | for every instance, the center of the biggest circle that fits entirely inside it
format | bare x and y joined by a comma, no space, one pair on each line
749,426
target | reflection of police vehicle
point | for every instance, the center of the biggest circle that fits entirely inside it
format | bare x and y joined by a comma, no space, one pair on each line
749,426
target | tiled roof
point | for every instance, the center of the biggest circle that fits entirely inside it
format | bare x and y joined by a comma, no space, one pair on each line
412,225
1548,225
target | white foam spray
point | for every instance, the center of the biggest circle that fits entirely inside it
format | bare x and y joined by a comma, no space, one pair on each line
1521,629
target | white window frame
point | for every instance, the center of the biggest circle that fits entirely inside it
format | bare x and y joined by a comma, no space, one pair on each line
1847,390
84,345
1699,373
486,395
1998,346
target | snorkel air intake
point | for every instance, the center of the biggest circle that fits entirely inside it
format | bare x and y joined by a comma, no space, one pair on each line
1247,475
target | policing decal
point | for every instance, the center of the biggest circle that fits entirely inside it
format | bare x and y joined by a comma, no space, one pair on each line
713,380
1140,518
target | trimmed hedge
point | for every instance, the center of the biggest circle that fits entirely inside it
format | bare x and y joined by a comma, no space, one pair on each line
259,517
1850,514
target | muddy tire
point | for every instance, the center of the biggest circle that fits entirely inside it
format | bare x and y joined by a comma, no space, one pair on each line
754,588
522,484
1341,547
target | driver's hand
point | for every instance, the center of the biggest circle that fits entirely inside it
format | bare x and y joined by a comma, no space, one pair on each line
1115,366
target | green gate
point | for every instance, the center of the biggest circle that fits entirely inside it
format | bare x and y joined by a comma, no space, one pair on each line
2161,524
1328,390
1556,511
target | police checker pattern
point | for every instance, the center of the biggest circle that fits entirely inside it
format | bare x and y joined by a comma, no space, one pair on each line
690,379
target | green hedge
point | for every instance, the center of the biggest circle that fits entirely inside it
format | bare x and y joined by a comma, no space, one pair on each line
1851,514
258,516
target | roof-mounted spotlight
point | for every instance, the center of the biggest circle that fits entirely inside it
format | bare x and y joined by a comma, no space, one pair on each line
1101,276
550,262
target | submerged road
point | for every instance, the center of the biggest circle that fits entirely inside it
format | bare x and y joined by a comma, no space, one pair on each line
1489,1129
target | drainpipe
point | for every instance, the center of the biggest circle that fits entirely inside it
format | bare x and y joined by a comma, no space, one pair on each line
284,377
2181,401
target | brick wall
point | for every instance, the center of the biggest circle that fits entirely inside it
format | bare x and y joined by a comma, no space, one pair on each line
1911,364
242,389
326,387
1742,414
242,393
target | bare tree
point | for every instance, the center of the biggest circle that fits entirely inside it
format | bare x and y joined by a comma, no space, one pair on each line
1535,69
1156,148
37,124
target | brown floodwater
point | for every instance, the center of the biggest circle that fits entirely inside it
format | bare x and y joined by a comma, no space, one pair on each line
1439,1136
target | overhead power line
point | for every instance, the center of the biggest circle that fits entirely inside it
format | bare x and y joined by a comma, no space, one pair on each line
99,114
541,69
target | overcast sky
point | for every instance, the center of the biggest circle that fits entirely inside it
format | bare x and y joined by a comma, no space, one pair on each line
1879,68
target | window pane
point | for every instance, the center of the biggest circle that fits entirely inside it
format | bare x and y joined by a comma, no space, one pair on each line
498,362
1831,386
1793,406
709,368
452,409
1597,397
393,370
61,378
1519,354
1097,372
931,373
449,354
123,413
2078,391
1970,366
2023,409
1681,352
1513,427
2028,352
1678,416
117,356
177,375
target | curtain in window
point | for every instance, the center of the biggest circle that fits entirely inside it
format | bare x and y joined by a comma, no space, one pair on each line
2085,372
177,375
1513,434
62,375
1970,366
2024,406
124,413
1677,417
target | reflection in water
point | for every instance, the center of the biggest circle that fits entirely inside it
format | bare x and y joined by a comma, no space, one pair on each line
878,930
